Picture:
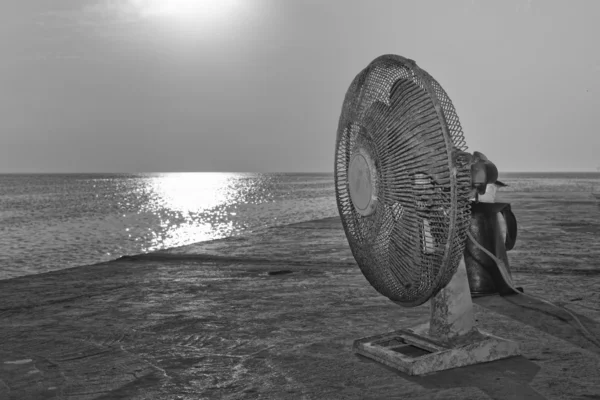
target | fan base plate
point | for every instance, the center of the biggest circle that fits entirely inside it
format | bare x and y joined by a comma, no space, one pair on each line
414,352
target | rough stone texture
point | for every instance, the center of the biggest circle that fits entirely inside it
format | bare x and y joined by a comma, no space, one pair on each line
274,315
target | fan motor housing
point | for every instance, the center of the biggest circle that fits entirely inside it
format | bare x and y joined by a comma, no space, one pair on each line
362,181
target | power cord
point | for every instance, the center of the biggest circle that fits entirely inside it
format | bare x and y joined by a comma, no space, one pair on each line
507,279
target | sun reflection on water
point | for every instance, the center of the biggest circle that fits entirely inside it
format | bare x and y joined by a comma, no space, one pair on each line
194,207
191,192
188,206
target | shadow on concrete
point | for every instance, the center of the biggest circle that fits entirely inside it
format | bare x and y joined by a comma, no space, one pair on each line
551,320
505,379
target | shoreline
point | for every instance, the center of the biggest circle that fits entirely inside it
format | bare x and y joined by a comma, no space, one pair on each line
521,202
244,233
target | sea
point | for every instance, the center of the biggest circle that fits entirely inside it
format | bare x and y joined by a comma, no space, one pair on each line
56,221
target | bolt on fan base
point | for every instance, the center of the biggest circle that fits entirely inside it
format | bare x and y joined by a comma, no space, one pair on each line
448,341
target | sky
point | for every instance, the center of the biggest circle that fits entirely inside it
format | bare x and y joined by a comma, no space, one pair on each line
258,85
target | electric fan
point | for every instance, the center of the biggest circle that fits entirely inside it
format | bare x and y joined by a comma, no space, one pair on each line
403,182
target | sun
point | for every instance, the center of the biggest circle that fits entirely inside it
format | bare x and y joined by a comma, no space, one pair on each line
197,11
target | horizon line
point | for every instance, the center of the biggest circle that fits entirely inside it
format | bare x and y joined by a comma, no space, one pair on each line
251,172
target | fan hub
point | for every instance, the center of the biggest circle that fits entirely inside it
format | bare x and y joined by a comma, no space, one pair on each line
363,183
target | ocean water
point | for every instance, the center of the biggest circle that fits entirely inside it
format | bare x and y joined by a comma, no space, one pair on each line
55,221
551,181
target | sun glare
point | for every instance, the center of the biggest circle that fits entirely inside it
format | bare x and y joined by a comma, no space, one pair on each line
200,11
186,24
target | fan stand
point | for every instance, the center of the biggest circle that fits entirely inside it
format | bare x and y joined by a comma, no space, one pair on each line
449,340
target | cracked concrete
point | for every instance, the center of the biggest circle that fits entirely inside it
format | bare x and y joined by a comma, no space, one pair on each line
219,320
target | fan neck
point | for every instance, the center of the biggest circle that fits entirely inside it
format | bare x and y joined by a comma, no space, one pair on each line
452,308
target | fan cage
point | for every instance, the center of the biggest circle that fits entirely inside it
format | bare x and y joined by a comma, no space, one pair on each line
410,247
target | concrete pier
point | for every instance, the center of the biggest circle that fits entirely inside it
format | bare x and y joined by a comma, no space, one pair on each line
274,314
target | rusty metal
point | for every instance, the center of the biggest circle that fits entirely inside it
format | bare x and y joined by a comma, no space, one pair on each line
403,186
400,117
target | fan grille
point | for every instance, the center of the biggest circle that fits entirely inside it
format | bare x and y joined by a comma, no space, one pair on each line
399,116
